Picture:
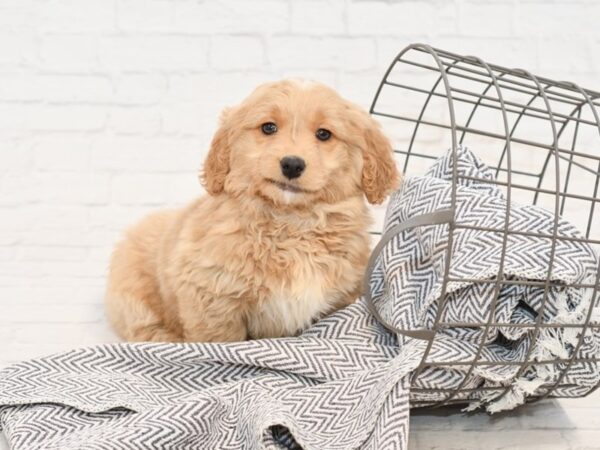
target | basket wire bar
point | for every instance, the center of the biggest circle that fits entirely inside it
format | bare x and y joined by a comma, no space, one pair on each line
542,310
568,176
451,224
559,106
537,190
492,135
555,96
521,73
497,283
595,294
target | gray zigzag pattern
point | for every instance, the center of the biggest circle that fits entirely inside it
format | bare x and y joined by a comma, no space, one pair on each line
274,393
345,382
407,283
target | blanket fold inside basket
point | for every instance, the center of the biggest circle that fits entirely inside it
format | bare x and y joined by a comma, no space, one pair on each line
407,284
346,382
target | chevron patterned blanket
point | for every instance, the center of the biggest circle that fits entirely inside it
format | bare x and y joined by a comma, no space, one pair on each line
406,284
346,382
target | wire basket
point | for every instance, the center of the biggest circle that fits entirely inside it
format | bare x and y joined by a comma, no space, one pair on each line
540,136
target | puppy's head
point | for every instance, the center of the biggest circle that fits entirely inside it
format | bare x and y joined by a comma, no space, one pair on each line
297,143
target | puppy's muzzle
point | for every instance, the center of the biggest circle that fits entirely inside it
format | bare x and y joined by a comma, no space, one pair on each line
292,166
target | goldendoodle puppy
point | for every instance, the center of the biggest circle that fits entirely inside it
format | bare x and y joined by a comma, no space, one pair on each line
281,238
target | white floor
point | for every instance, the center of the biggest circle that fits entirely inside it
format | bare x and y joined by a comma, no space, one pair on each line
565,424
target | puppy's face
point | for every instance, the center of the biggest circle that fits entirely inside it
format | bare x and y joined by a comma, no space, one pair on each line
295,144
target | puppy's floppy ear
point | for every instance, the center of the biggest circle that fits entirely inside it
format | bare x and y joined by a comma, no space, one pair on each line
216,165
380,175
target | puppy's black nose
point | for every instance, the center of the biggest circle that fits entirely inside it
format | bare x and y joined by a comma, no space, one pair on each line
292,166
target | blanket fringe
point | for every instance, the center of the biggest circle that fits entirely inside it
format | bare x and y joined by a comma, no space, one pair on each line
551,343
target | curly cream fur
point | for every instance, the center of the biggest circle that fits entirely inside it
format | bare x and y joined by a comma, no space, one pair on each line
252,260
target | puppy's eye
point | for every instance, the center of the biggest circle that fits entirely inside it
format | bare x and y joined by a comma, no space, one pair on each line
268,128
323,134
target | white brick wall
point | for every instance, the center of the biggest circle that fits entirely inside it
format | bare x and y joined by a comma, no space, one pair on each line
107,107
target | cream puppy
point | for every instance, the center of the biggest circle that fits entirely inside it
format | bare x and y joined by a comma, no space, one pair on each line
281,238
